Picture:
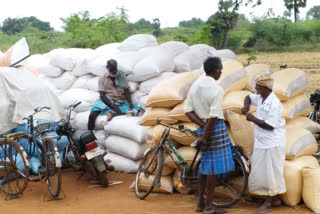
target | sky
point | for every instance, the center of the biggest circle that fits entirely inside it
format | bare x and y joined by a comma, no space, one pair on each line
170,12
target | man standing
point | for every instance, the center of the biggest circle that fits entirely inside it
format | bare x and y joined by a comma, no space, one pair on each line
267,161
114,90
204,108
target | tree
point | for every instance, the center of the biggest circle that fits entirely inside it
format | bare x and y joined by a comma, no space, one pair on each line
90,33
295,5
156,26
193,23
25,24
224,20
314,12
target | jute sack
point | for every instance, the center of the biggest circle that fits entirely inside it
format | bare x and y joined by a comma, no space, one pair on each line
296,106
233,101
311,187
173,91
150,117
186,152
177,183
166,185
293,178
241,131
183,138
251,72
289,83
233,76
178,112
304,123
299,142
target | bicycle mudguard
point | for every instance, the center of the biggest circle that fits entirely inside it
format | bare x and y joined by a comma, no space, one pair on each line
156,182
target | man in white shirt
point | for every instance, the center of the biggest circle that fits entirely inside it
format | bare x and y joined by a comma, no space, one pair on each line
267,161
204,108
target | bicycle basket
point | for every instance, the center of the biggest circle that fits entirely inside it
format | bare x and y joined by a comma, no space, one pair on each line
43,127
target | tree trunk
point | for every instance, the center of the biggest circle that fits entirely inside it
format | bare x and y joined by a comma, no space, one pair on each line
225,39
295,10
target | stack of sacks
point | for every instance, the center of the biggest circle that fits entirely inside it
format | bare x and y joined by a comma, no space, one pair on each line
167,102
126,143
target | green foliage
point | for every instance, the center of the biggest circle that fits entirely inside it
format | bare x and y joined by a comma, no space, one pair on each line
91,33
193,23
203,35
252,56
24,25
223,21
314,12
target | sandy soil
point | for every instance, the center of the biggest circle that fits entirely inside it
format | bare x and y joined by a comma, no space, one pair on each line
307,61
79,198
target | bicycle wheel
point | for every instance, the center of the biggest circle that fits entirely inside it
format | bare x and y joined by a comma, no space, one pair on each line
14,168
149,172
71,156
231,187
53,172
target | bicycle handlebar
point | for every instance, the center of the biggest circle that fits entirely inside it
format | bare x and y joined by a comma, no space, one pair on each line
36,110
75,105
181,129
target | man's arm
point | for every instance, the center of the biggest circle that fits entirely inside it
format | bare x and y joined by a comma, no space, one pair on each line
127,95
246,104
208,130
109,103
258,122
195,119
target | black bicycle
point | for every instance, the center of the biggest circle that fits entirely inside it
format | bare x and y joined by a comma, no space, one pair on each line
44,146
229,189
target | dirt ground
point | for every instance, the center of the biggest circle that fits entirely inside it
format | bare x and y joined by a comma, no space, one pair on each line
79,198
307,61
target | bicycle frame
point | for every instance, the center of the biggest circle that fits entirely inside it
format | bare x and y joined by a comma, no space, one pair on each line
166,143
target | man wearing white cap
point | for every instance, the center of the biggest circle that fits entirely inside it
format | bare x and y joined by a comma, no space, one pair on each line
267,161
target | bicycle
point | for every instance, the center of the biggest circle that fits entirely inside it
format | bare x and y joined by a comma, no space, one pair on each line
14,166
315,102
151,166
44,146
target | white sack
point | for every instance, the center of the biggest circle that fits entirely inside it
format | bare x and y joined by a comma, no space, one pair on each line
82,118
87,98
225,54
125,147
20,93
82,82
121,163
93,84
63,82
101,137
49,70
127,60
138,41
161,59
133,86
192,58
127,127
139,98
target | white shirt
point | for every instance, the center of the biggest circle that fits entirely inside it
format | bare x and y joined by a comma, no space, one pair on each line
270,111
205,99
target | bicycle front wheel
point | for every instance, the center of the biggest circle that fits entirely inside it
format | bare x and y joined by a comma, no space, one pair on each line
14,168
53,170
231,187
149,173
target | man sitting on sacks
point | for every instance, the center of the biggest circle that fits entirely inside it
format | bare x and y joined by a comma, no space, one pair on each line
114,90
204,108
267,161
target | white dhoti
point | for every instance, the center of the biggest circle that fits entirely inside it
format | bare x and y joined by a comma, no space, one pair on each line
266,176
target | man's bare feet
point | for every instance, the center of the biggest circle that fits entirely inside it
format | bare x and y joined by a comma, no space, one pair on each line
265,208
